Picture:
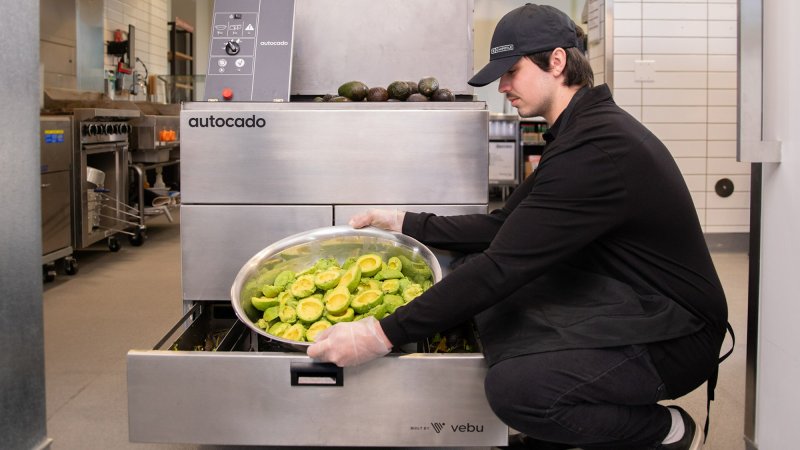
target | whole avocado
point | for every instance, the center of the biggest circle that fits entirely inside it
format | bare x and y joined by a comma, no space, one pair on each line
443,95
399,90
427,86
377,94
417,98
354,90
412,87
340,98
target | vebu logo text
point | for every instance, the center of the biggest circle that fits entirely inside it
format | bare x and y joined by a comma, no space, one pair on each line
229,122
461,428
468,428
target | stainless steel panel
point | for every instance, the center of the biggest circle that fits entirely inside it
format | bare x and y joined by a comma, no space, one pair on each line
104,113
145,131
23,413
380,42
343,213
217,240
56,224
247,399
319,153
55,142
608,53
261,67
751,146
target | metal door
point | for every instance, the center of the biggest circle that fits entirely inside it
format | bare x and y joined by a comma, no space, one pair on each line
55,211
216,240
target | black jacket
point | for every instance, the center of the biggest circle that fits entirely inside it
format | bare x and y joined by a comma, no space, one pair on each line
601,246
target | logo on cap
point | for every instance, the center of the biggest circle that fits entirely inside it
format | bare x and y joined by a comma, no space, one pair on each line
502,48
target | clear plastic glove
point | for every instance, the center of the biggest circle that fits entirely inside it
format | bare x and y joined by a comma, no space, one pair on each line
387,219
350,343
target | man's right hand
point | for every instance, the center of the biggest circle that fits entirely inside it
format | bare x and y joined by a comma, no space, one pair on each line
387,219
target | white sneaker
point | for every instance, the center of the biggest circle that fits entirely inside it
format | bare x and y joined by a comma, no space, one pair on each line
692,436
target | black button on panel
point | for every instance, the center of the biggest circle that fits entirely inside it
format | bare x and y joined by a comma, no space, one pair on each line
232,47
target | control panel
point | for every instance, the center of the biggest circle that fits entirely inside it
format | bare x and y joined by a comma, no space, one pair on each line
250,56
103,131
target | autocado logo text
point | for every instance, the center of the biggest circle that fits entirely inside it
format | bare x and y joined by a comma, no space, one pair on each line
227,122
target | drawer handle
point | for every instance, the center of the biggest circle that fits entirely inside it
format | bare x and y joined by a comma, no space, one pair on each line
315,374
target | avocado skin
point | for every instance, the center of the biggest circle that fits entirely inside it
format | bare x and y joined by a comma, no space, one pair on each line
427,86
412,86
377,94
443,95
417,98
354,90
340,98
399,90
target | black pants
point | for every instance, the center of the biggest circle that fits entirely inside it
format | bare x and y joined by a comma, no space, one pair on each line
589,398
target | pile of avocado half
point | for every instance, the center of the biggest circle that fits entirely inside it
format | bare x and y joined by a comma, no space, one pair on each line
298,306
426,89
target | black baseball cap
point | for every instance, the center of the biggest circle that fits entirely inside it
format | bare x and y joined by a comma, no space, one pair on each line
523,31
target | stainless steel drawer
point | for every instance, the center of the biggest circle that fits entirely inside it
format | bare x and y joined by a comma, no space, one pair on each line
239,396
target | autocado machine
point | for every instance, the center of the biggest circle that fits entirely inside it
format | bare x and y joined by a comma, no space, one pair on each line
270,175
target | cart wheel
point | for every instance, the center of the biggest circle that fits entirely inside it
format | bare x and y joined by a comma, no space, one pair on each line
137,238
48,272
70,265
113,244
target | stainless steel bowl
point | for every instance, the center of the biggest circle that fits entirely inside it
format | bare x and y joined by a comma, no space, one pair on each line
302,250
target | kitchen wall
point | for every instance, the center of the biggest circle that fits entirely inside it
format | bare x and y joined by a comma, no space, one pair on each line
71,44
198,13
150,18
674,69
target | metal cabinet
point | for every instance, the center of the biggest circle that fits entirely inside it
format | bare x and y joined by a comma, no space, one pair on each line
56,227
254,173
55,159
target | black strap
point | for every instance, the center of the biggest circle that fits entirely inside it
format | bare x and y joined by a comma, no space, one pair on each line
712,381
